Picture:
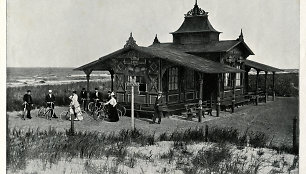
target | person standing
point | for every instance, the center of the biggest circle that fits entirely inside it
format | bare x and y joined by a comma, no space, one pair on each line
97,97
83,96
75,107
50,100
158,108
113,114
27,100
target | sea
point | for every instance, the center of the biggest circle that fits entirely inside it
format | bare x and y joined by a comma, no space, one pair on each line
48,75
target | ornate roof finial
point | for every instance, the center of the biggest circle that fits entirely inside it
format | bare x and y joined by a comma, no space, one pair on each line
196,11
156,41
130,42
241,36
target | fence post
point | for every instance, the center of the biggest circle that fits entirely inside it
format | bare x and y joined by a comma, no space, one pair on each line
206,133
72,122
294,142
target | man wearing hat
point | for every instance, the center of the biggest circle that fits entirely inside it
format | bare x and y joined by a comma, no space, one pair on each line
83,96
97,97
50,100
158,107
27,99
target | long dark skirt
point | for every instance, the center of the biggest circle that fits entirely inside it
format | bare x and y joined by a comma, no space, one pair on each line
113,114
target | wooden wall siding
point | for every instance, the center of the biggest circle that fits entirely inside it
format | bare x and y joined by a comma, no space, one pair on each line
189,95
140,99
173,98
120,97
152,99
182,97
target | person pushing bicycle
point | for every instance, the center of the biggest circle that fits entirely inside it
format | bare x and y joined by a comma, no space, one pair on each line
27,101
50,100
83,96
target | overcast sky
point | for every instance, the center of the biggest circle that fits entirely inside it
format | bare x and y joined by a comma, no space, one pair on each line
70,33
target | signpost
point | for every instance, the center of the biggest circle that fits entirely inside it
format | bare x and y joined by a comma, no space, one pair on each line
132,83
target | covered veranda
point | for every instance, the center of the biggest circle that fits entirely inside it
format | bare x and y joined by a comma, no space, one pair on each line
259,93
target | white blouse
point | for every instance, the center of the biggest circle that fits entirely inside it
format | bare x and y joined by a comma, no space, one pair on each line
112,101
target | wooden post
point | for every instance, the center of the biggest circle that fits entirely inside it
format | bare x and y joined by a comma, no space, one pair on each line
257,81
234,88
200,98
218,95
273,86
72,122
132,83
246,79
266,91
132,108
112,80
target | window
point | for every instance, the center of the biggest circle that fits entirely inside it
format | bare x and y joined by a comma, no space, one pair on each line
227,80
141,81
238,77
173,79
189,74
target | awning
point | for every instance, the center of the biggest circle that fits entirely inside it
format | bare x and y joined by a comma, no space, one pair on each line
260,66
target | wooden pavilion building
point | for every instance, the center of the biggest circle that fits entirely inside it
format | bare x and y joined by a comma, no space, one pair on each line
196,67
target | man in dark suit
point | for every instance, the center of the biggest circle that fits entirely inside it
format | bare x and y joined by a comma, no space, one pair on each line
97,97
158,107
27,99
83,96
50,100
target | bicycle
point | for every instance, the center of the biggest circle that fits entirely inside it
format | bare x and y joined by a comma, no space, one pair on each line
65,115
45,112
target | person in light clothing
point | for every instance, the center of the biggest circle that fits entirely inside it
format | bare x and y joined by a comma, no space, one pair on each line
113,114
75,107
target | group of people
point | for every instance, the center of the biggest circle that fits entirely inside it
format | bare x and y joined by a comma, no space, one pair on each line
75,107
28,102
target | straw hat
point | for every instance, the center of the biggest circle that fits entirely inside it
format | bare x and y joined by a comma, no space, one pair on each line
112,94
50,91
159,92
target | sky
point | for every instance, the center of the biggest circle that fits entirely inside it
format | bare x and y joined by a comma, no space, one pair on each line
71,33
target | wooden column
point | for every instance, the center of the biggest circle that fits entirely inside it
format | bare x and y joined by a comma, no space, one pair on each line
87,72
246,77
112,80
218,95
234,88
200,98
257,81
273,86
266,91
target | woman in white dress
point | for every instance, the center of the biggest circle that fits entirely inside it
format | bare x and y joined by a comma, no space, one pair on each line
75,107
113,114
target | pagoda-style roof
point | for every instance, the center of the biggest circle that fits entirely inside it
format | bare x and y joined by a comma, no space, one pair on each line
217,46
196,20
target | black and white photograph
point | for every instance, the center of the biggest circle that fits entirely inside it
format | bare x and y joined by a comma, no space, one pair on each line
152,87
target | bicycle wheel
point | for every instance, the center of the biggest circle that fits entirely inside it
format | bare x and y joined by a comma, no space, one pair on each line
119,113
91,106
48,114
40,112
122,110
64,116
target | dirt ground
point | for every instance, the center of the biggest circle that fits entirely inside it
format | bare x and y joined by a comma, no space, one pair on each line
273,118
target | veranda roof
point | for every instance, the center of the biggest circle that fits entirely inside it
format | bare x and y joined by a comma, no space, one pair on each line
260,66
171,55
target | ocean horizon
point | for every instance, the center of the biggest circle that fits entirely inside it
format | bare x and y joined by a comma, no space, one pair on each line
22,76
